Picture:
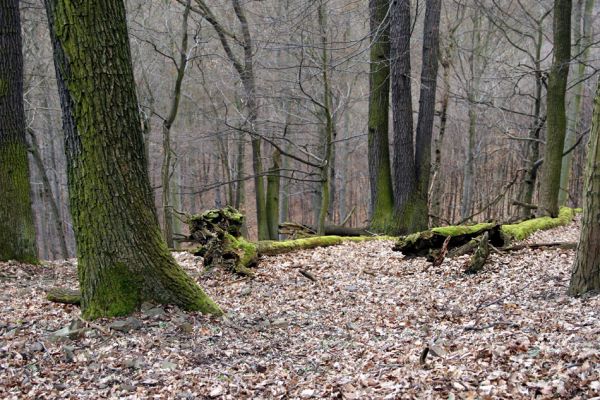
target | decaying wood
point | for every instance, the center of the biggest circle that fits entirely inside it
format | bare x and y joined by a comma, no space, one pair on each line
442,254
466,248
561,245
296,230
64,296
421,244
477,261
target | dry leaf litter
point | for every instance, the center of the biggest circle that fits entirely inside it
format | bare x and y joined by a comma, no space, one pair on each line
373,325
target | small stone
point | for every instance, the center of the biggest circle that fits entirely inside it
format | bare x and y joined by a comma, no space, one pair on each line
216,391
279,323
37,346
126,325
351,288
154,312
246,291
134,363
168,365
69,353
127,387
186,327
307,393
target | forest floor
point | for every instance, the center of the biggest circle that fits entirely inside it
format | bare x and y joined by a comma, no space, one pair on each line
358,332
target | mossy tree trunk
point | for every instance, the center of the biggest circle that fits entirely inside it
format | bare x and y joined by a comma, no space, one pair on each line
582,37
17,230
273,189
586,271
556,122
122,258
380,178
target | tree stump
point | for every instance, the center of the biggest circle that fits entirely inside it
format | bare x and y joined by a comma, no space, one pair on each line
478,259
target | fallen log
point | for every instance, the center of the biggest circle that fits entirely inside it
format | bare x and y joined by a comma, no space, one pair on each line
295,230
428,243
425,243
561,245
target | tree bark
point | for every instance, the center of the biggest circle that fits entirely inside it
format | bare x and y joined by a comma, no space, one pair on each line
17,229
556,123
582,39
123,259
586,270
380,178
424,132
404,160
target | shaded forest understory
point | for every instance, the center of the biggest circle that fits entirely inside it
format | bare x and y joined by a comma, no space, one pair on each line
359,331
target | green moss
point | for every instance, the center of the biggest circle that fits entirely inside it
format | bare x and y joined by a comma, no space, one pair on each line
523,229
116,294
270,247
461,229
247,251
3,87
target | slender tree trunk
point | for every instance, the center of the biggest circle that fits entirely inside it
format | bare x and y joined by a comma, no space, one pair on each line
273,186
424,134
582,39
122,258
167,165
404,160
17,229
380,177
556,122
586,270
47,188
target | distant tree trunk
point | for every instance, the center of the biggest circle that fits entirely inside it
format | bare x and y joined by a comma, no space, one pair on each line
17,229
167,165
380,178
556,122
472,95
404,160
586,270
273,188
122,258
533,145
436,184
47,189
424,134
582,40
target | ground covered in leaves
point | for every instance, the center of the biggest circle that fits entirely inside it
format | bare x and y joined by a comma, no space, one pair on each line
371,325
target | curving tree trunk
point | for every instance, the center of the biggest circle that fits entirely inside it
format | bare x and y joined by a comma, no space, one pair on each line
122,258
17,230
586,271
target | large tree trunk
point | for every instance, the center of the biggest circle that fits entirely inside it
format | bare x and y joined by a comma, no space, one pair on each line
404,161
380,178
123,259
557,87
17,230
586,271
429,71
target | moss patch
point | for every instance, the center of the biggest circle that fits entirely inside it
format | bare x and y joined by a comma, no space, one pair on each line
524,229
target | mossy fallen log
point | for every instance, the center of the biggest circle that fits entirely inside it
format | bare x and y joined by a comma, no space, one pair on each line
425,243
524,229
218,233
64,296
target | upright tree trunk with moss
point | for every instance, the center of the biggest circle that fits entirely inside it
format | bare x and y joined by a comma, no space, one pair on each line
17,229
431,35
273,186
582,42
380,178
122,258
556,122
404,171
586,271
